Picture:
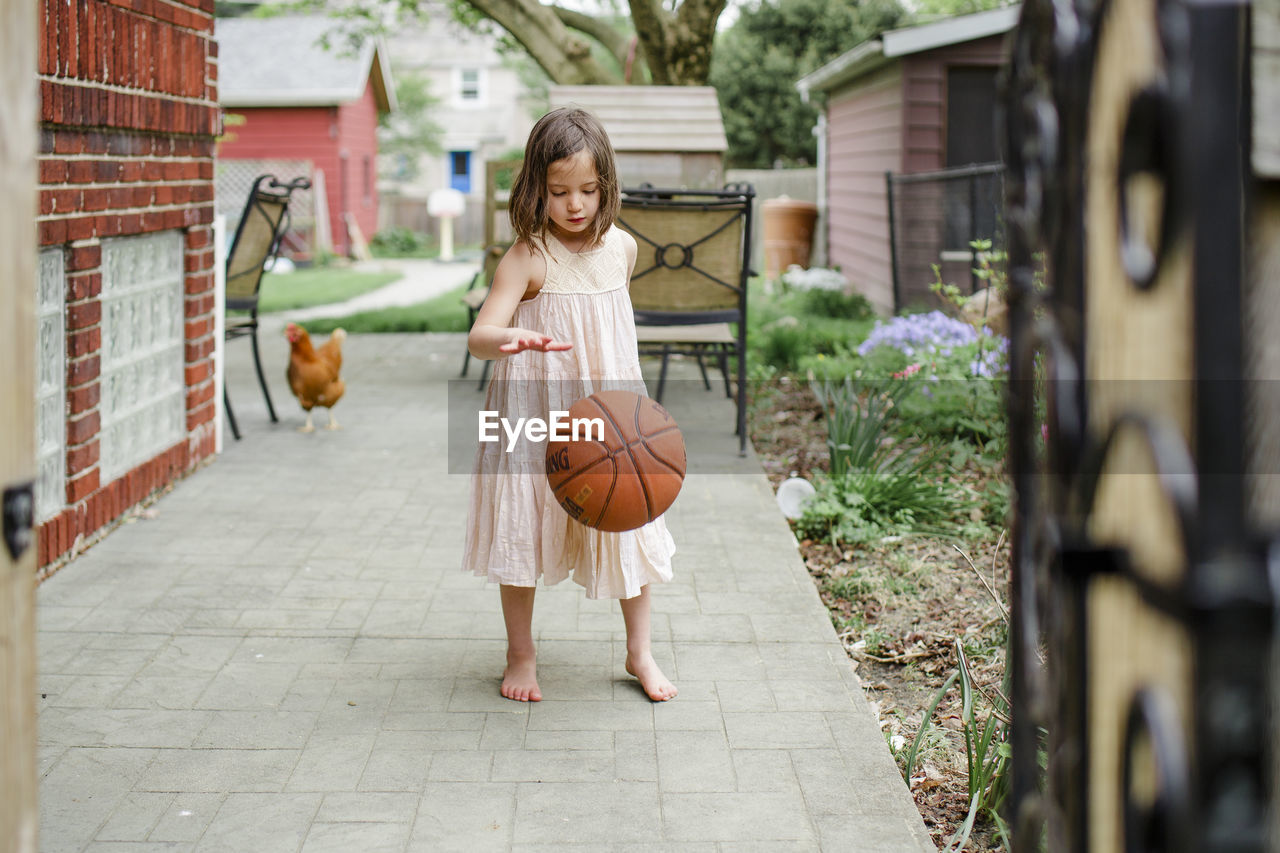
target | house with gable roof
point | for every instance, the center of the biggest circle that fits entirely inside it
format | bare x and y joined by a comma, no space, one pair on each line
294,107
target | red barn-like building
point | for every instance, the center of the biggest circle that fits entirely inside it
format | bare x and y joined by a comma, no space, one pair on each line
295,107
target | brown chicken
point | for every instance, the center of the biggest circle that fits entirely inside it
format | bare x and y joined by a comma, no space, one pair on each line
313,373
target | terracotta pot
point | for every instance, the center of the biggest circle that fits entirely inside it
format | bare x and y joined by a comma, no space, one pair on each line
788,233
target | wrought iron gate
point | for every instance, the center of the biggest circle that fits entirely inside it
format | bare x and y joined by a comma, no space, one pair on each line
1142,429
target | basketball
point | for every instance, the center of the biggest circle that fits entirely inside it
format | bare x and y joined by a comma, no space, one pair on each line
624,475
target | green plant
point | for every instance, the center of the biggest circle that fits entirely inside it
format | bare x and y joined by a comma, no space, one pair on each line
836,303
856,412
399,242
986,748
864,507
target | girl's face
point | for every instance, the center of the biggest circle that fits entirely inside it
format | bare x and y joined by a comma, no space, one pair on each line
573,193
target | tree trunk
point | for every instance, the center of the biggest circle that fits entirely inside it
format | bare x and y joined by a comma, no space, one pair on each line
677,47
567,60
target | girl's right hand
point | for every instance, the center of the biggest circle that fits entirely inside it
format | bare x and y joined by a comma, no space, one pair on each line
519,340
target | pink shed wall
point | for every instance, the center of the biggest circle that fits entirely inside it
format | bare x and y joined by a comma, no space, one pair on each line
924,84
864,140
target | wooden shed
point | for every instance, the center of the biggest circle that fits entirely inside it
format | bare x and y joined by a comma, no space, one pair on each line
668,136
913,100
296,108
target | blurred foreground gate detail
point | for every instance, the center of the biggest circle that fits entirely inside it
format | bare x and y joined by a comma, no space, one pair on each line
1144,270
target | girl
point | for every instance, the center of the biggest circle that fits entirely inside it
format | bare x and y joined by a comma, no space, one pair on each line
558,322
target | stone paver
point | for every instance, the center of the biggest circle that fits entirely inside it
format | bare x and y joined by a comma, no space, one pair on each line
283,656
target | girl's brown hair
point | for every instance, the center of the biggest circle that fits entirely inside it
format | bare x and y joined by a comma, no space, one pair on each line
559,134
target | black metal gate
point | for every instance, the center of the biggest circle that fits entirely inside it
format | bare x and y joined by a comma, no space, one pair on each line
1141,647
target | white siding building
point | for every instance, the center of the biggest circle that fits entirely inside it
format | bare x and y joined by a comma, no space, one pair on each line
483,107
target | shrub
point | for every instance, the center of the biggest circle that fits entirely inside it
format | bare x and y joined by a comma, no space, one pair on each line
400,242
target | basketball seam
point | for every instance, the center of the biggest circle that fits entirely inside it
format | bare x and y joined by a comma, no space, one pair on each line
648,504
644,439
611,457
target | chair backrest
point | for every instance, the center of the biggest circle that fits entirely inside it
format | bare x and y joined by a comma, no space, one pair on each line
495,200
264,220
694,252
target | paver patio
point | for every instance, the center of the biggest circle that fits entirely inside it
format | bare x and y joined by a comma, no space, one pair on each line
282,655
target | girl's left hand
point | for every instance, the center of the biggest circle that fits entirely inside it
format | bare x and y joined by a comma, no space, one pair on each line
525,340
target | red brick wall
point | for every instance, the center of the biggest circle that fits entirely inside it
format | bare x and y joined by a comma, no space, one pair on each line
128,108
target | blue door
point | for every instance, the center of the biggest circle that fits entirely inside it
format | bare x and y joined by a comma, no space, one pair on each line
460,171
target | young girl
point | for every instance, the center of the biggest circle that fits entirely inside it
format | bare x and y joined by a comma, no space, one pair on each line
559,323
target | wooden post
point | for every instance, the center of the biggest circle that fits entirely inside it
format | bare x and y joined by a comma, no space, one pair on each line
18,103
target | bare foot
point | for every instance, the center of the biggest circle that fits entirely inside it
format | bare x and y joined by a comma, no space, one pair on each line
520,681
645,668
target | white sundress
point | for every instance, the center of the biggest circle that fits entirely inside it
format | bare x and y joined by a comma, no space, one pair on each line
516,532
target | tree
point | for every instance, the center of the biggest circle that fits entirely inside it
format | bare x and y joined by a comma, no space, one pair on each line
672,40
759,59
409,132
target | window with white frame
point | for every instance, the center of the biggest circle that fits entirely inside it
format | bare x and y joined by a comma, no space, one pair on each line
51,385
469,90
143,407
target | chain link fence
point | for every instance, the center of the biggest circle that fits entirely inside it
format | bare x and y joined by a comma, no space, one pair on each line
933,219
232,181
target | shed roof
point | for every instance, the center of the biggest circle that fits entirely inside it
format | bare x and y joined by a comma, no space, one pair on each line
873,53
652,118
280,62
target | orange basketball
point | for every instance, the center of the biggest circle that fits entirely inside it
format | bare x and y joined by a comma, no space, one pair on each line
622,476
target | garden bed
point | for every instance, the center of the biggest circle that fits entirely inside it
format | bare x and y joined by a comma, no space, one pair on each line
903,605
899,606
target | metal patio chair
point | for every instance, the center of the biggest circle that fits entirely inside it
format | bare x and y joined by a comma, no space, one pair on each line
262,225
689,287
477,291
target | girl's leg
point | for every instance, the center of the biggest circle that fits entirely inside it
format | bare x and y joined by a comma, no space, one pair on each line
640,662
520,681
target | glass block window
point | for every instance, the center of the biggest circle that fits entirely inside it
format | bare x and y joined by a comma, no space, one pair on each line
143,406
51,379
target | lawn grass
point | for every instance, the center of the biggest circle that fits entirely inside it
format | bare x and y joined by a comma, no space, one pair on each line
320,286
443,313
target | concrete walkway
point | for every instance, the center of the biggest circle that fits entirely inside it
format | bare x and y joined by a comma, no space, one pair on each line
282,655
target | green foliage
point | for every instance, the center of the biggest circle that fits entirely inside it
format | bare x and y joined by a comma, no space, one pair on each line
856,414
444,313
836,303
864,507
409,132
880,484
318,286
927,10
758,60
400,242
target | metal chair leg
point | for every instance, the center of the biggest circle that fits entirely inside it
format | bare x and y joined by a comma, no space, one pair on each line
262,380
662,373
484,376
231,416
702,368
722,356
